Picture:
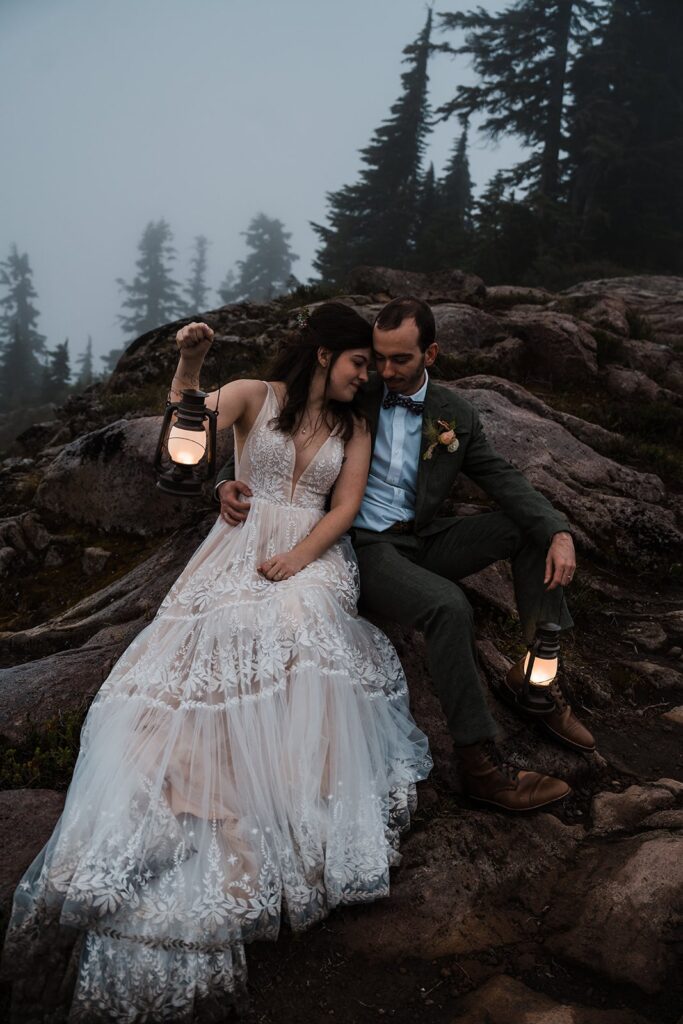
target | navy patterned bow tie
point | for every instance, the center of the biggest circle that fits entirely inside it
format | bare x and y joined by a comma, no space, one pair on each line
391,399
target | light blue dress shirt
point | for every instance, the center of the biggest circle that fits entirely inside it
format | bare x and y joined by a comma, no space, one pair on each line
392,484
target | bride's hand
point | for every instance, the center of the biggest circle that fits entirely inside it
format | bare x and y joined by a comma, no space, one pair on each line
194,341
281,567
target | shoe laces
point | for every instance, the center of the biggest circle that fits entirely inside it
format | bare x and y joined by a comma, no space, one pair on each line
503,766
558,696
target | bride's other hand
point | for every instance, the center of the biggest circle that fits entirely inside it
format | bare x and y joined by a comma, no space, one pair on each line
282,567
194,341
233,510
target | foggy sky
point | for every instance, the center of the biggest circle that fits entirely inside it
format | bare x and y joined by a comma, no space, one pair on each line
204,112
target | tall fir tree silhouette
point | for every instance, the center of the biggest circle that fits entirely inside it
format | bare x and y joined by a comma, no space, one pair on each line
521,56
376,220
505,243
267,270
111,358
21,373
626,141
85,362
445,239
57,374
197,288
153,296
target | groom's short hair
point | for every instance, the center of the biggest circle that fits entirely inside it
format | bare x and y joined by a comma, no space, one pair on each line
408,308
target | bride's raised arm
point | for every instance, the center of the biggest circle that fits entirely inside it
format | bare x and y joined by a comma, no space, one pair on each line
233,400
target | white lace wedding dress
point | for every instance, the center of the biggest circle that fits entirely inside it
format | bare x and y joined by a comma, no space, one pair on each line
251,756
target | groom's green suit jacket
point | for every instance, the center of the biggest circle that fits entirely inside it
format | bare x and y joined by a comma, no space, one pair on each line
475,457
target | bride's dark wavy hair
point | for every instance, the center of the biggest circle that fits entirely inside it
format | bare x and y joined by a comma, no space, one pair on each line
331,325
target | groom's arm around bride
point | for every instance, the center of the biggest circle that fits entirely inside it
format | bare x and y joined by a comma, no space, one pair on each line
411,559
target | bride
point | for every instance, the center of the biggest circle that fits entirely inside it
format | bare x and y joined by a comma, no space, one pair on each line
251,757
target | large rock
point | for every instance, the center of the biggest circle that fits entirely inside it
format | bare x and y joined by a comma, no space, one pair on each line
608,313
558,348
615,511
70,656
440,286
460,328
658,361
504,296
502,1000
618,910
460,885
658,300
626,384
27,818
106,479
591,434
622,812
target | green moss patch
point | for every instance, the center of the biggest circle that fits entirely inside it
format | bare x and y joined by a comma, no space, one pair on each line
46,757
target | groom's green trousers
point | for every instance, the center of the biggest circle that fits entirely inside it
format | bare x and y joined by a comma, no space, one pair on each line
414,581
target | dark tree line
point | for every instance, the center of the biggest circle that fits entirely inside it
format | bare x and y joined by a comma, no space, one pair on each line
593,89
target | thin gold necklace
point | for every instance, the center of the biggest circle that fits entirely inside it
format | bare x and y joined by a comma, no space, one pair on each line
304,430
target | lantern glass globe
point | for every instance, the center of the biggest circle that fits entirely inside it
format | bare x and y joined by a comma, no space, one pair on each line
543,670
186,446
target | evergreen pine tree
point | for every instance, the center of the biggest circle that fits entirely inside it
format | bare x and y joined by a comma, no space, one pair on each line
267,269
196,289
505,237
626,141
376,220
427,214
20,341
521,55
153,297
456,185
85,374
111,359
57,374
228,290
446,239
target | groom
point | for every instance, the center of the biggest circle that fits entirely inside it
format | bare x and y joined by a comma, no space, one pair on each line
411,559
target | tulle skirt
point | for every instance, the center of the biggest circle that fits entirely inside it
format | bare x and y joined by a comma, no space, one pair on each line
251,757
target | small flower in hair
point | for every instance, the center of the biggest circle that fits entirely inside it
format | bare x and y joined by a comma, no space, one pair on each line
301,319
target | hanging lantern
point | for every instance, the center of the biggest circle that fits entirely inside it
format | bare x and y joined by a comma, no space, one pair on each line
186,452
540,669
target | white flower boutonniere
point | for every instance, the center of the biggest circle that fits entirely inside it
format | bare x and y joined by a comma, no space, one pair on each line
441,432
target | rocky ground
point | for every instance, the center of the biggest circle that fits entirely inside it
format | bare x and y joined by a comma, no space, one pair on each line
570,917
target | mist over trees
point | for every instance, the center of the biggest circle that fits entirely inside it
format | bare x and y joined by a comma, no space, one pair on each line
153,297
85,362
197,289
57,374
267,269
592,89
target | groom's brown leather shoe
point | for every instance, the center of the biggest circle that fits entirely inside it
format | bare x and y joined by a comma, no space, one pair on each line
488,779
561,723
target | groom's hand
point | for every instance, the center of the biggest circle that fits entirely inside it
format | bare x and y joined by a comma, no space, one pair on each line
234,511
560,563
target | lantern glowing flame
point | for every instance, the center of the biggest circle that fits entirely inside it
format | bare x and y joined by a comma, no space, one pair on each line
543,670
186,446
540,669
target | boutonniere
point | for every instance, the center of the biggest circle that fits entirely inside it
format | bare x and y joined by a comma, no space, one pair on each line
440,432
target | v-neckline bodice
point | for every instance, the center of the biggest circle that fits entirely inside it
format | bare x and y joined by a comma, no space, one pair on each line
294,483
